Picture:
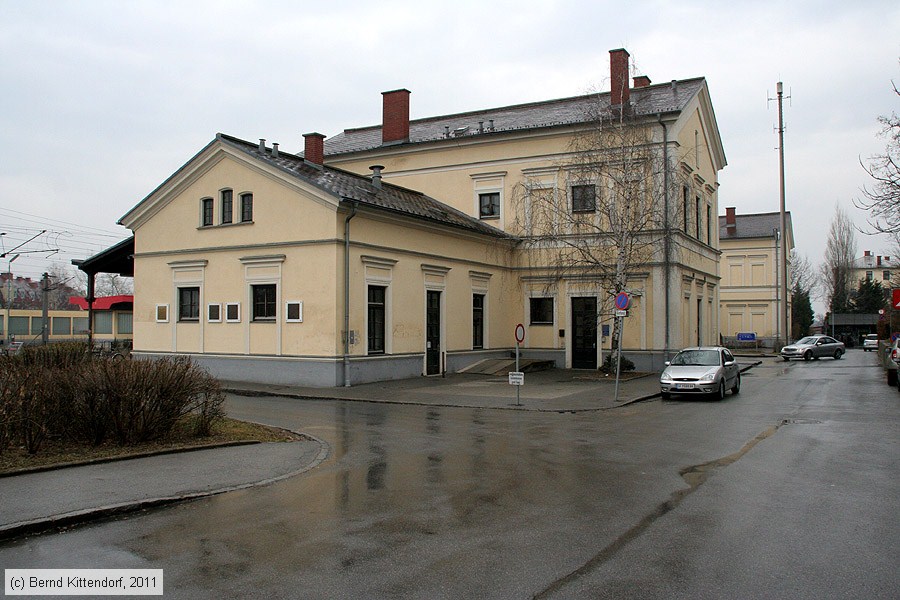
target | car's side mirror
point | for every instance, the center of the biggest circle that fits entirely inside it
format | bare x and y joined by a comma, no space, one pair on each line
668,363
728,363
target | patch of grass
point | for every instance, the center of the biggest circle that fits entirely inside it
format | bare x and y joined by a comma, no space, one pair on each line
56,452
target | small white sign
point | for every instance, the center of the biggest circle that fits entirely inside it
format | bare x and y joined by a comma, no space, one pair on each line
516,378
621,313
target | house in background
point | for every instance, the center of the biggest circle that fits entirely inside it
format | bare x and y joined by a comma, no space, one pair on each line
750,296
395,250
878,269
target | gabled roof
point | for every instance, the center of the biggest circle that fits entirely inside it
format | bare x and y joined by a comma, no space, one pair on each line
343,186
645,101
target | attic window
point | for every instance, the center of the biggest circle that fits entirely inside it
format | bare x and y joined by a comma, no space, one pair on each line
246,208
206,212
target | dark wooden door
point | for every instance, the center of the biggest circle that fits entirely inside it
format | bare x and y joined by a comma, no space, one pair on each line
584,333
432,332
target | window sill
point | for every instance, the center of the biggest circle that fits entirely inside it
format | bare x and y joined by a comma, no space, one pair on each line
265,320
224,225
541,323
490,217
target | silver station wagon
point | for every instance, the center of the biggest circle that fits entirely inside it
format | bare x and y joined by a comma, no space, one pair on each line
701,370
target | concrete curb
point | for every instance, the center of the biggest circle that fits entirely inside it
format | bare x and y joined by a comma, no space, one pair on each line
100,461
79,517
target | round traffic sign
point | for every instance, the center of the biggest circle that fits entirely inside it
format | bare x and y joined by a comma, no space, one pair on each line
622,301
520,333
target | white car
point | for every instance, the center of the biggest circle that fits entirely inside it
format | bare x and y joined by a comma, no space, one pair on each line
870,342
702,370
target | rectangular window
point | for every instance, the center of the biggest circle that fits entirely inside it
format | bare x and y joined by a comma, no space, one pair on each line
123,323
103,322
294,312
489,205
79,325
699,222
227,205
18,325
709,221
37,325
477,321
870,275
189,304
541,311
61,326
584,198
207,209
214,313
264,302
233,312
376,313
685,209
246,208
886,276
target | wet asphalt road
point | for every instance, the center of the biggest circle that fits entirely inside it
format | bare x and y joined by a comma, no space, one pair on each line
789,490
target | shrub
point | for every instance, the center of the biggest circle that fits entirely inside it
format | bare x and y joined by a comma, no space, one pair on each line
61,391
609,364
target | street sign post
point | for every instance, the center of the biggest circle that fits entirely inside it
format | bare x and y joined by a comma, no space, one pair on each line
517,377
623,301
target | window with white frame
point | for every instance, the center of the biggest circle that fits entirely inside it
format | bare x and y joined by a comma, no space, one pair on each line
214,313
232,312
489,205
293,311
264,302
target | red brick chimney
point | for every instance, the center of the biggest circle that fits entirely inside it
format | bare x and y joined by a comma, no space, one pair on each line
730,220
395,116
314,151
619,78
641,81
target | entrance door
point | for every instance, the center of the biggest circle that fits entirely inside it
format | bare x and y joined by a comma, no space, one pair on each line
584,333
432,332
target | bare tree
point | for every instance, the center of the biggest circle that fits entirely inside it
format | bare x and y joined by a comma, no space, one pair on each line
602,214
837,270
882,200
802,274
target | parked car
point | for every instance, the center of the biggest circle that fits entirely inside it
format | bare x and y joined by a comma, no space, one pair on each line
870,342
814,347
701,370
890,356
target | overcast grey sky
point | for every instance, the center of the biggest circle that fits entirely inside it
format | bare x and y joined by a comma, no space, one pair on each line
102,100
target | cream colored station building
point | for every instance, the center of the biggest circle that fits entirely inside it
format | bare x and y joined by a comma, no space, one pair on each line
258,263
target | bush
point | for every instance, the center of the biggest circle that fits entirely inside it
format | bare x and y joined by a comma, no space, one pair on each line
61,391
609,364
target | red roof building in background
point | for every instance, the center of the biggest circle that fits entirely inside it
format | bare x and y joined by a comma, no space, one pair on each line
122,302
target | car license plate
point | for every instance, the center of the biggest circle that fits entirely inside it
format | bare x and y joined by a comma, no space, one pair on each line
684,386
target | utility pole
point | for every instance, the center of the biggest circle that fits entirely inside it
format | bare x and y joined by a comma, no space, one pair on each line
45,305
784,261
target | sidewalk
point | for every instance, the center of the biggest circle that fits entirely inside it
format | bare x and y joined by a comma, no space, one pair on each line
555,390
37,502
